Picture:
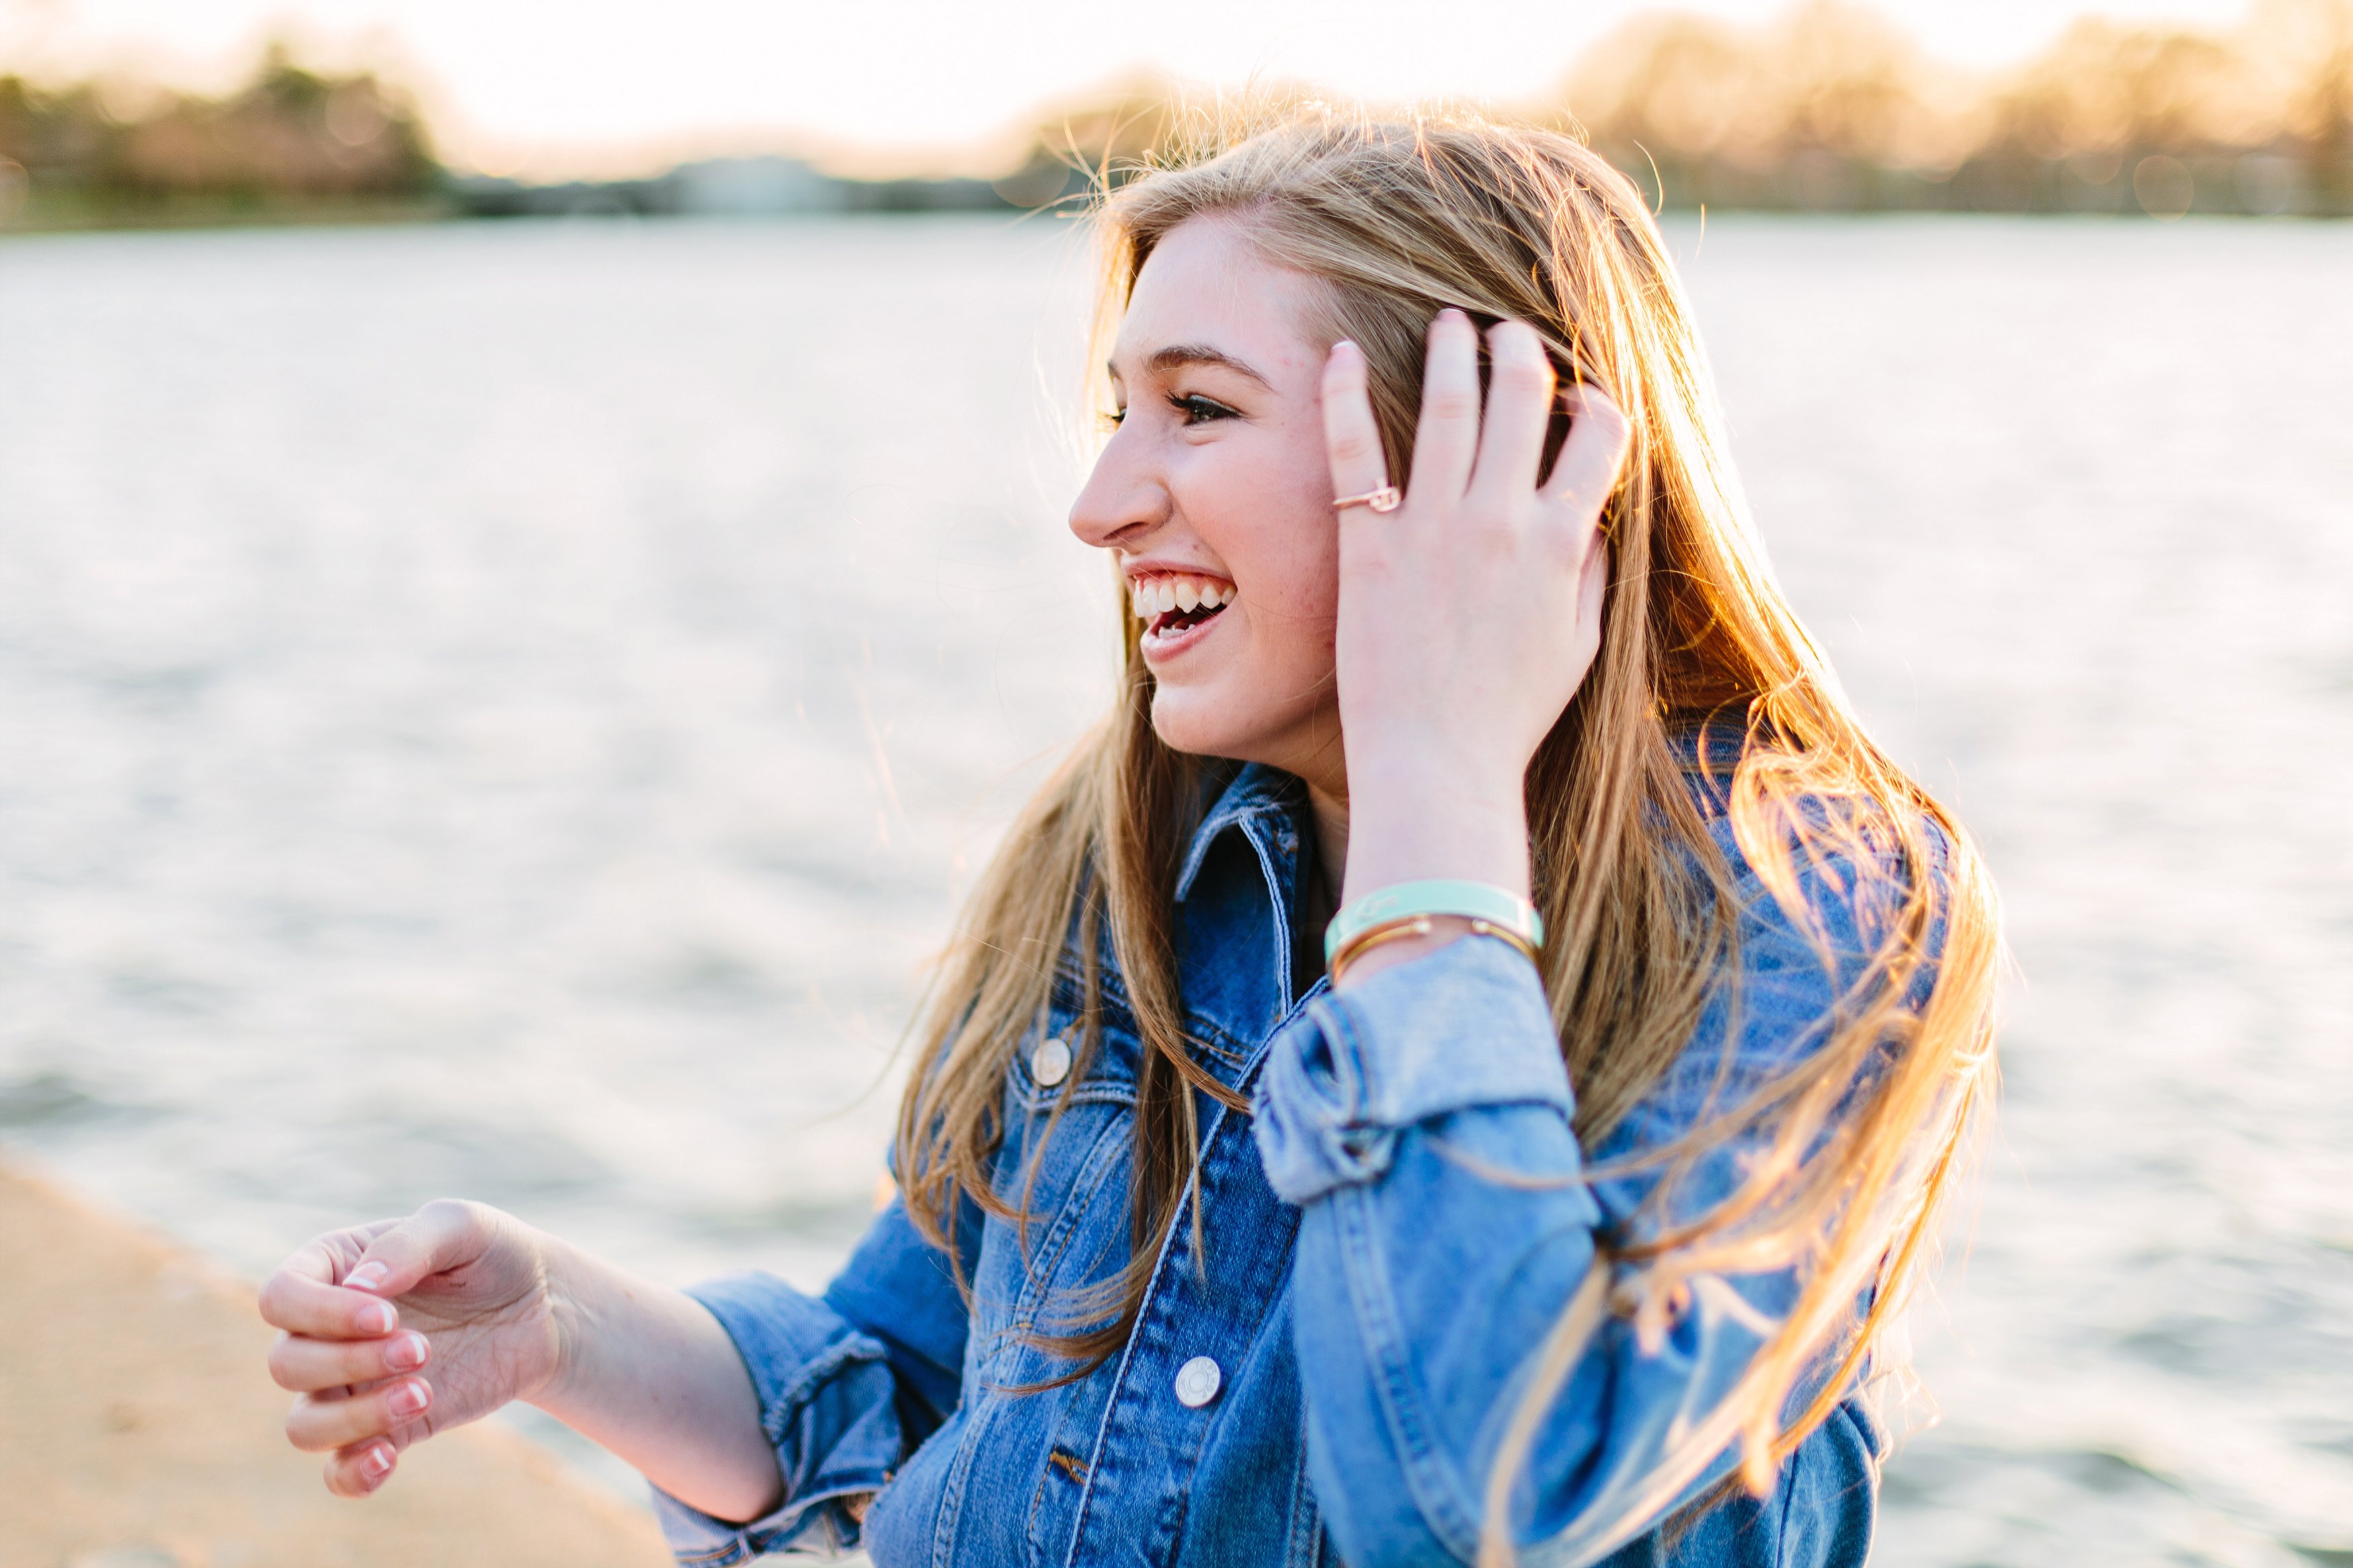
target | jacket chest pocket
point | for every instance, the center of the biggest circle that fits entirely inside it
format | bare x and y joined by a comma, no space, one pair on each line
1062,1062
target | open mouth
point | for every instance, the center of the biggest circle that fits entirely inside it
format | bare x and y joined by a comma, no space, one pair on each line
1170,605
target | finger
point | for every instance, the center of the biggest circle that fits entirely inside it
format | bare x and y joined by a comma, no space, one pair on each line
317,1424
303,1298
357,1470
305,1365
1592,586
441,1236
1447,438
1519,407
1352,440
1586,475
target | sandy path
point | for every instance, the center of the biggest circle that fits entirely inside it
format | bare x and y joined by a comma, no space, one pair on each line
138,1429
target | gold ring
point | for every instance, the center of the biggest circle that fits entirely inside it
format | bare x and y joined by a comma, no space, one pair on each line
1385,498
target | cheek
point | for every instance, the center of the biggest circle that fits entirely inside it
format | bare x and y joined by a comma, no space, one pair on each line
1269,517
1285,664
1300,612
1301,569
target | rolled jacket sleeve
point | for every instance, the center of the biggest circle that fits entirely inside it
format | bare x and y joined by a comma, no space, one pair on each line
827,1405
1421,1121
1466,1027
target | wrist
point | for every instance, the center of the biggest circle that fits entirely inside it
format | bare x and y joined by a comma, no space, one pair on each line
1431,811
568,1291
1409,836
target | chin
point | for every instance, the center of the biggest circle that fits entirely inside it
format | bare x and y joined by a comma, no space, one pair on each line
1198,724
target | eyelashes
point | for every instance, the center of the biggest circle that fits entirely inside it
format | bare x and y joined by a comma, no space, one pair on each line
1191,408
1199,410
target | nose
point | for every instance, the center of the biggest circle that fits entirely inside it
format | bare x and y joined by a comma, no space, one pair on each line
1123,499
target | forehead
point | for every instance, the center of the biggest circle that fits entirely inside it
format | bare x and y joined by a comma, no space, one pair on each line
1205,284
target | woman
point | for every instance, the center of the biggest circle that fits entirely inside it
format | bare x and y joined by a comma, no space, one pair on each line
1557,1222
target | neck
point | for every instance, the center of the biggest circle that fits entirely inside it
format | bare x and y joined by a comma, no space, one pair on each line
1331,812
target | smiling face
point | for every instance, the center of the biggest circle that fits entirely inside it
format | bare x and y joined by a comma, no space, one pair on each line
1215,494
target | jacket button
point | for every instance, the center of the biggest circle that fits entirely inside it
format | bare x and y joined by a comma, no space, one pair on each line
1049,1063
1196,1381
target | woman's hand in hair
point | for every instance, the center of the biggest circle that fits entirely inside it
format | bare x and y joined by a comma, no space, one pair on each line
396,1330
1469,616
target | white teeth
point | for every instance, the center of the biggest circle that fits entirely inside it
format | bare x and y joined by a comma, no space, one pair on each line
1154,596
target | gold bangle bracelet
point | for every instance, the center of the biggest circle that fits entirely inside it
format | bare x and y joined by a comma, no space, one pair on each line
1488,928
1406,926
1371,936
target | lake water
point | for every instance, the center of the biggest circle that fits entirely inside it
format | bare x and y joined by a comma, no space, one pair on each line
505,711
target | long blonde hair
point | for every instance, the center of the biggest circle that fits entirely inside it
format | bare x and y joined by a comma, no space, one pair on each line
1862,1137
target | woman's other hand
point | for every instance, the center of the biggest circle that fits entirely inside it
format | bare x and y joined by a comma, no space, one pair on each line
396,1330
1468,616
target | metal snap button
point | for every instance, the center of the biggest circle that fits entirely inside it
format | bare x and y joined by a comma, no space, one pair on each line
1049,1063
1197,1382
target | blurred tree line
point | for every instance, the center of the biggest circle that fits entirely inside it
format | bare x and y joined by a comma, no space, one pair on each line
1830,108
1833,108
289,138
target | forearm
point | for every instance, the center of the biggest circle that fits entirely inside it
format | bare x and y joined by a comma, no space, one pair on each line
1415,817
1417,811
648,1372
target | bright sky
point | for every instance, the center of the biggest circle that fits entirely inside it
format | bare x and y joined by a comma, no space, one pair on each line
555,85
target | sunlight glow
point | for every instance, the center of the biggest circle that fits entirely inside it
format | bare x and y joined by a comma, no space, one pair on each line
600,86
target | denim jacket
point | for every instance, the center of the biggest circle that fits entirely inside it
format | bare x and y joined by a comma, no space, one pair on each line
1326,1377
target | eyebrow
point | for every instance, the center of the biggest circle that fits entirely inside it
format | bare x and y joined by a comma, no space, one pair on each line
1178,356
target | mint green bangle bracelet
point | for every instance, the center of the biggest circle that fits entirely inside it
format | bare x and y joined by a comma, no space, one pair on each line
1403,901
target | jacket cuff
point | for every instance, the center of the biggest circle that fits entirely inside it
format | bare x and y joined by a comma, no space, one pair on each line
1463,1028
826,1407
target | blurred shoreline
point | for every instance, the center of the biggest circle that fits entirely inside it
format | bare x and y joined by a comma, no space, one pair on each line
1828,109
140,1429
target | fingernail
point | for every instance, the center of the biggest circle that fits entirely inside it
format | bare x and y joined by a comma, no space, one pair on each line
366,1276
406,1352
376,1317
407,1399
378,1463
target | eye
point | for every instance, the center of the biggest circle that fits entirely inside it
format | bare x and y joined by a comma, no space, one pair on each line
1114,420
1196,409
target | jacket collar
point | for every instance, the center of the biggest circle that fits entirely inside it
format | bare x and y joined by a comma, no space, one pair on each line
1238,890
1263,802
